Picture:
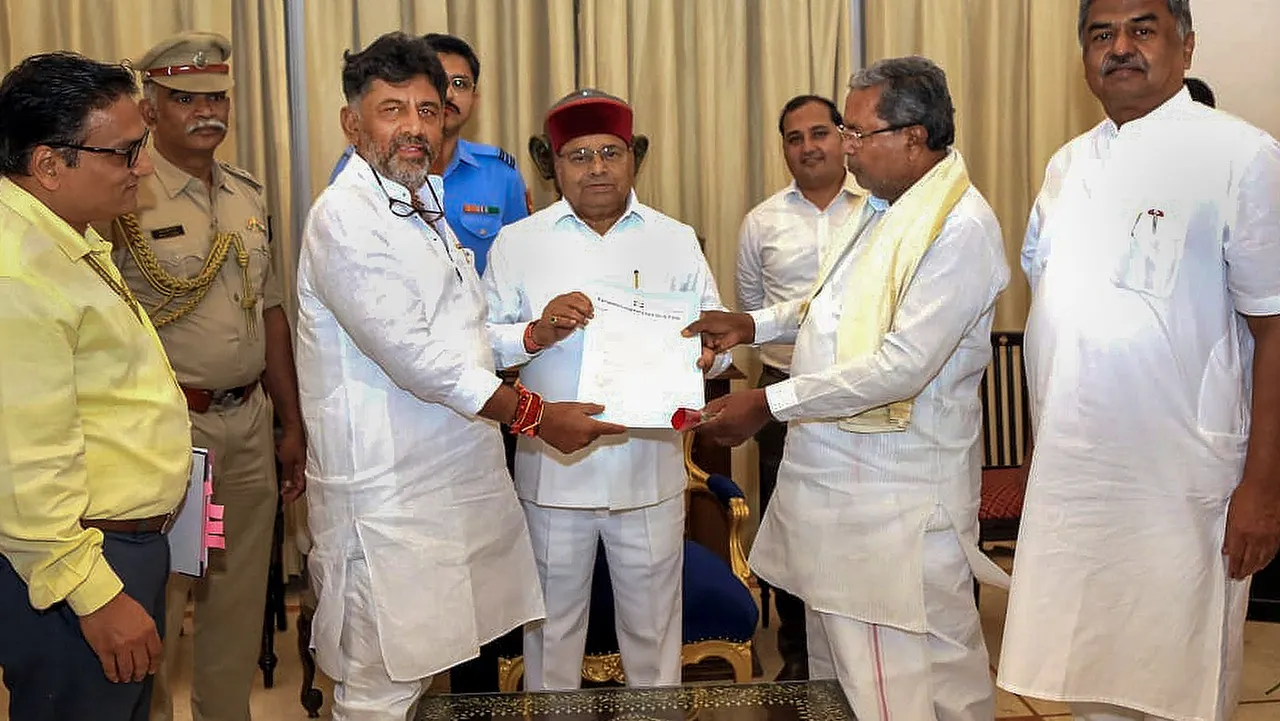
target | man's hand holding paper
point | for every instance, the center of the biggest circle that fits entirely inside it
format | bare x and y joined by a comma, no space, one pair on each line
561,317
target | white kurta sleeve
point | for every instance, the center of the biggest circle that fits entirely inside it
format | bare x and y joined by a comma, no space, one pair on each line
1031,256
505,296
1252,248
778,323
749,279
955,284
386,304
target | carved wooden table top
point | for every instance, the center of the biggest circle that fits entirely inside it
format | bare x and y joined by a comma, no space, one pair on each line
797,701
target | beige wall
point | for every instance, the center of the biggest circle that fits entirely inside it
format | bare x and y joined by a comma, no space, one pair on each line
1238,54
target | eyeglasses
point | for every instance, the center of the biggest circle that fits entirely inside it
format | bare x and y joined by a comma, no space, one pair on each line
610,154
130,152
403,209
858,136
462,83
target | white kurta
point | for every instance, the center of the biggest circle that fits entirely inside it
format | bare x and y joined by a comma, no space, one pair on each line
394,361
1145,246
553,252
846,526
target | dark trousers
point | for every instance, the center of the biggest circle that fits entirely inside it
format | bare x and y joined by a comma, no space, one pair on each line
480,674
792,642
49,668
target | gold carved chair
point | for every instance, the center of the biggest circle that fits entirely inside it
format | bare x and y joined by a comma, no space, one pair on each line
720,614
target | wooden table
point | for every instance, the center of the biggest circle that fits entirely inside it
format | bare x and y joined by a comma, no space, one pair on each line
798,701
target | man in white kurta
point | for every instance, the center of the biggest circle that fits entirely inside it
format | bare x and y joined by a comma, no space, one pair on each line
1153,253
626,492
780,246
420,551
877,531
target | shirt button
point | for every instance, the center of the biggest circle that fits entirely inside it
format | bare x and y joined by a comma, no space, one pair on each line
482,232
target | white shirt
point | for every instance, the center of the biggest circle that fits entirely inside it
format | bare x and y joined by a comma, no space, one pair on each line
394,361
554,252
845,529
780,246
1139,365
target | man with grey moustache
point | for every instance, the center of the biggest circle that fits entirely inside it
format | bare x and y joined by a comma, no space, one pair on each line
196,254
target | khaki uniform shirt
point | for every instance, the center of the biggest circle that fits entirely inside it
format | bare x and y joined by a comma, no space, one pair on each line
211,347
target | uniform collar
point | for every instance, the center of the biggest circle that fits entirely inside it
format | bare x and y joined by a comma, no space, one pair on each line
564,214
461,154
175,180
72,244
1168,109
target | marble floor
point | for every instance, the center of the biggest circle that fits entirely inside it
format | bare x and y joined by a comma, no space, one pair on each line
1261,673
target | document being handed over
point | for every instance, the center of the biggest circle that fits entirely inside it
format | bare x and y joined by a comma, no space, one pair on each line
635,362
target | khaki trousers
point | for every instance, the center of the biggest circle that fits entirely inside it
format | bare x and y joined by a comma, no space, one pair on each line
230,599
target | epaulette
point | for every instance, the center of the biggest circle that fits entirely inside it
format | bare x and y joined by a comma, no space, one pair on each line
243,175
495,151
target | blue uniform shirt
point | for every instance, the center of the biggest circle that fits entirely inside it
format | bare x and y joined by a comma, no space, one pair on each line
483,191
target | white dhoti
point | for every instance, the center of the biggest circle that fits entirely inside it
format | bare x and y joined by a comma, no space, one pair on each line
645,550
888,673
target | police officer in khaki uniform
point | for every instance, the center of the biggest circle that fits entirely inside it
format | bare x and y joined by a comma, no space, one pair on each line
196,254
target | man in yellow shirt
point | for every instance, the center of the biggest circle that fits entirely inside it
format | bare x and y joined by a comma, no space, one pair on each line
94,437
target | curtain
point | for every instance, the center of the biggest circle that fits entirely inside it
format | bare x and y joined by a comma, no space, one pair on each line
707,80
526,63
258,136
1016,78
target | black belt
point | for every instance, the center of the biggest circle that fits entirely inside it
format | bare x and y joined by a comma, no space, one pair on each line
152,524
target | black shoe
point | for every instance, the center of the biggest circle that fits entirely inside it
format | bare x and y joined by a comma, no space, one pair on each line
794,669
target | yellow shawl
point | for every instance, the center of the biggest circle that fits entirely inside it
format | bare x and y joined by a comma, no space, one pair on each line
884,269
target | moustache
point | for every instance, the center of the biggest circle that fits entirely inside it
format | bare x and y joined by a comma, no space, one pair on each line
404,139
450,106
1112,63
206,124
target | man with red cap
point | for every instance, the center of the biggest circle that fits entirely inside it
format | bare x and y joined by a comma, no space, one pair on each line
627,491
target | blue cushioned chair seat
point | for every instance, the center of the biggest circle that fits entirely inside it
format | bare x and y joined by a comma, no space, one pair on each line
717,606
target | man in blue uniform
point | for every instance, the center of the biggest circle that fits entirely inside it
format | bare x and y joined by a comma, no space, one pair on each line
483,190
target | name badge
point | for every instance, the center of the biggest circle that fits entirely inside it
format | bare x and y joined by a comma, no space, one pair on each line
173,231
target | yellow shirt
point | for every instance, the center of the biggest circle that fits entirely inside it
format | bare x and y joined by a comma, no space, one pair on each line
92,422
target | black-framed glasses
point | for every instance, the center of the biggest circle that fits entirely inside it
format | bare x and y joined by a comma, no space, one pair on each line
462,83
859,136
401,209
404,209
610,154
130,152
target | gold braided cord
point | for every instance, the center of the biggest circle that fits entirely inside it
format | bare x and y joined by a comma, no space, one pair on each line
117,286
191,290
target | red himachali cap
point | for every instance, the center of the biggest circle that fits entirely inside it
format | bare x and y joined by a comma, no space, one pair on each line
588,112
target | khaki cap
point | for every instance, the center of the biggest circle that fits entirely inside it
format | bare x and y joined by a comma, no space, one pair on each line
193,62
